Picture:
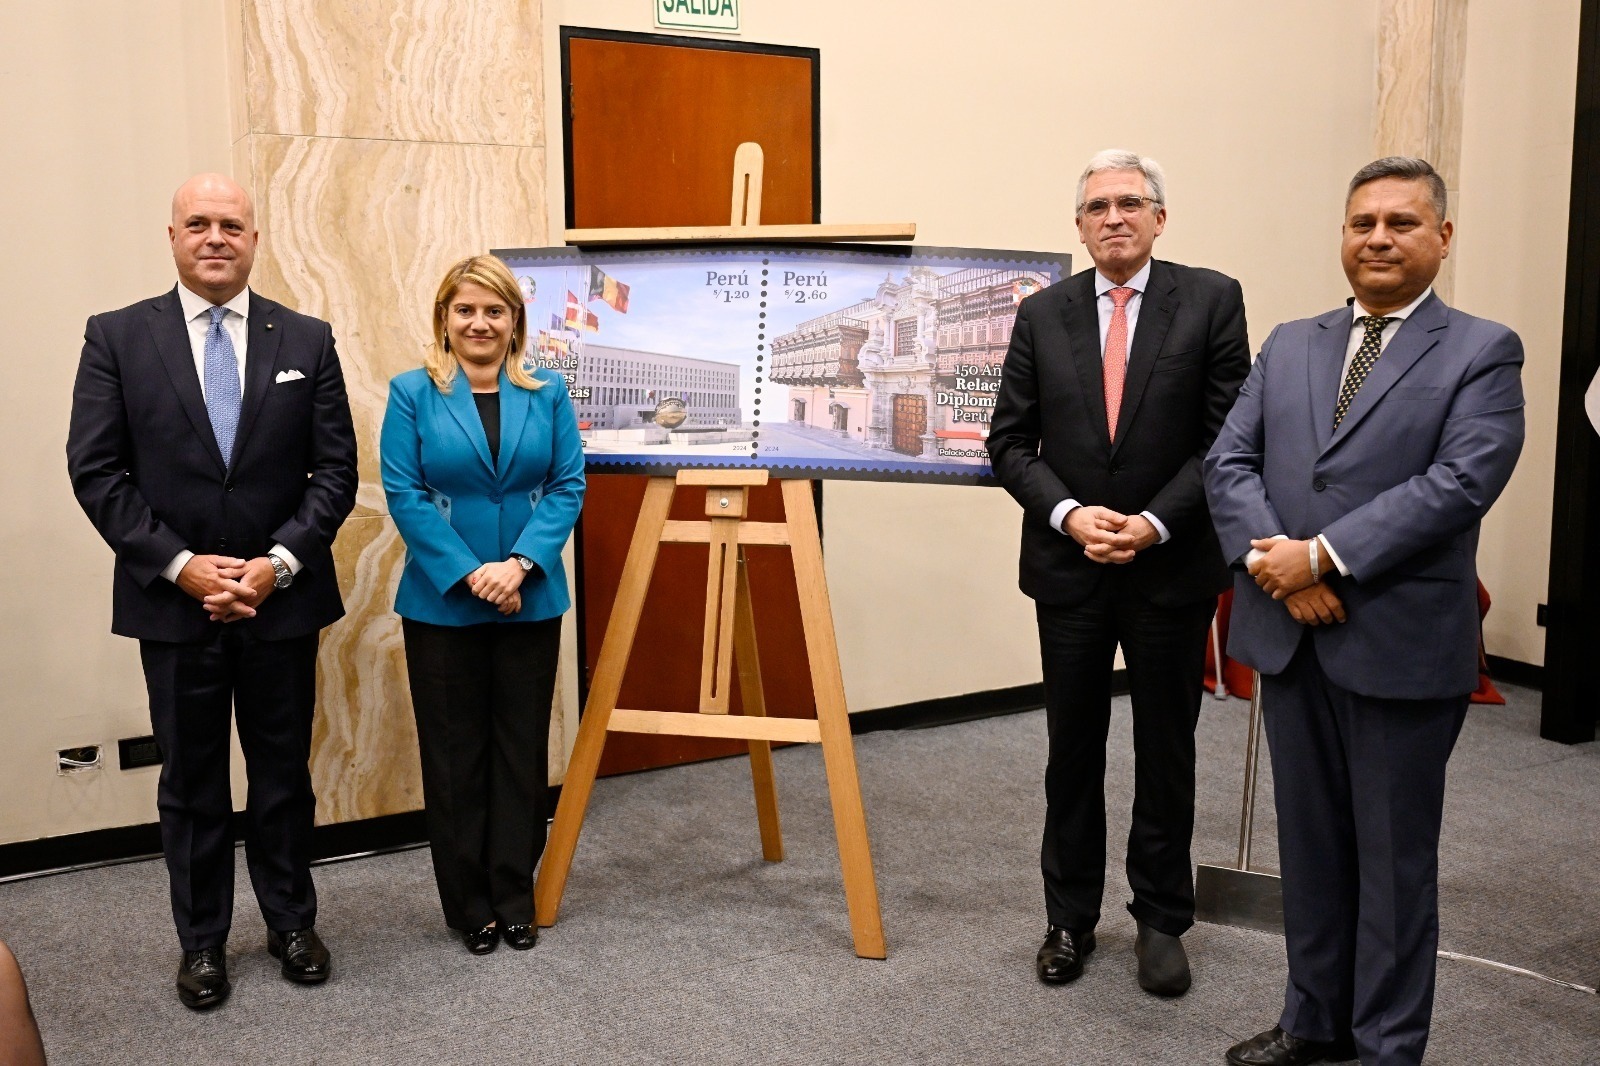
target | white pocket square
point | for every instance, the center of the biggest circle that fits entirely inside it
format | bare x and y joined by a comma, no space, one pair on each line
288,375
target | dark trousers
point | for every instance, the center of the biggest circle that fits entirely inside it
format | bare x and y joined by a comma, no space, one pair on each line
269,688
1359,785
482,697
1164,648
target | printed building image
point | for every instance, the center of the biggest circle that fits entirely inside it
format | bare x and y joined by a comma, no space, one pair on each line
914,369
819,362
625,385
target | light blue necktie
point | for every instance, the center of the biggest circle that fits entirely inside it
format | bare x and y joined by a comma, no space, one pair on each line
222,384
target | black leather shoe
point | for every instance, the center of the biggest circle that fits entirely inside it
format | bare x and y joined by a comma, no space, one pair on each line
1278,1048
521,937
1061,956
481,941
1163,964
203,978
305,959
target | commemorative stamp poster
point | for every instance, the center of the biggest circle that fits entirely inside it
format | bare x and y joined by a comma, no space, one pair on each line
829,361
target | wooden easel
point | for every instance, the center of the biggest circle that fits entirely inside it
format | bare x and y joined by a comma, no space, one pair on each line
730,635
730,638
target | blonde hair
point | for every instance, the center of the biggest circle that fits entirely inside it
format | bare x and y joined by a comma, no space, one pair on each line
492,274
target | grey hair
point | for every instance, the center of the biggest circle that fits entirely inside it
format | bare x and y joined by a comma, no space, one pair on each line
1155,180
1408,168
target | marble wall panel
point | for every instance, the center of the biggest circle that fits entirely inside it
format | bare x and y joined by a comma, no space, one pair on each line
461,71
359,232
1422,46
1421,71
384,140
1405,77
364,740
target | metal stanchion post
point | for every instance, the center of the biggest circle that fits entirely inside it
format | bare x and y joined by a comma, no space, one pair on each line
1238,895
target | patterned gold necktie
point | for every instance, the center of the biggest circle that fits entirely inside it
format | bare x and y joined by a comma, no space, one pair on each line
1365,358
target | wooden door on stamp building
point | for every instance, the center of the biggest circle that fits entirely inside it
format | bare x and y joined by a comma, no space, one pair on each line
651,125
910,422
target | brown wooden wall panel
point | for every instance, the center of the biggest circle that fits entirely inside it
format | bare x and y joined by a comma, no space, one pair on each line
652,125
651,131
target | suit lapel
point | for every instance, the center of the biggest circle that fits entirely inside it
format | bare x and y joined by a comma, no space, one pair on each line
171,335
1156,308
1323,367
513,417
1416,335
458,401
260,365
1083,334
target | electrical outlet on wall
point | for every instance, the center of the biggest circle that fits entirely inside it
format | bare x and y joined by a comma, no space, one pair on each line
134,752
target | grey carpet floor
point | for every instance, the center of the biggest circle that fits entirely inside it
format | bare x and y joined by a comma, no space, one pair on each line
677,944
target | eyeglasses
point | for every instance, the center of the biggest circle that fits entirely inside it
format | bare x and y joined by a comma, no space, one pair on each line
1126,205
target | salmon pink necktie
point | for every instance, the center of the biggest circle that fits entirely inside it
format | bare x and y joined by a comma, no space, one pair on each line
1116,359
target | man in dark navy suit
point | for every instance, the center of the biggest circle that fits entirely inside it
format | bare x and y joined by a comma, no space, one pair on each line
1115,384
1347,487
211,445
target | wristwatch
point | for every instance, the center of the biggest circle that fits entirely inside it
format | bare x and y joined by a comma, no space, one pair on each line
283,576
523,561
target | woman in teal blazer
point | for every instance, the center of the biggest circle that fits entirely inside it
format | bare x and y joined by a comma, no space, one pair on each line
483,470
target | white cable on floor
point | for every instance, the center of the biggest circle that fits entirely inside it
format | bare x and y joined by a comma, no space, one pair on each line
1491,964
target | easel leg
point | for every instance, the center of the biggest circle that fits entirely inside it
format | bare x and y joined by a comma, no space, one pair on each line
838,751
755,703
603,692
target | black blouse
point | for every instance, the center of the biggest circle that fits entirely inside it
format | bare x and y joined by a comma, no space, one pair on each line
489,410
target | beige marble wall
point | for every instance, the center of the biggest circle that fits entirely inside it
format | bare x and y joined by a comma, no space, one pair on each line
383,139
1422,51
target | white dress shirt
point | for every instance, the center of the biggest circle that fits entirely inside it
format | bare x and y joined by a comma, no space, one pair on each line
1106,307
197,316
1358,332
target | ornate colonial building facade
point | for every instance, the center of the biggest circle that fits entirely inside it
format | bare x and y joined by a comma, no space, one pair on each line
914,369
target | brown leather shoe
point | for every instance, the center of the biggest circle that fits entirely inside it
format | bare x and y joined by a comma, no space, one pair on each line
1278,1048
1062,954
203,978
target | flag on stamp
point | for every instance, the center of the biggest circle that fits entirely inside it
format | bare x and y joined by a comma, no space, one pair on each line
580,317
603,286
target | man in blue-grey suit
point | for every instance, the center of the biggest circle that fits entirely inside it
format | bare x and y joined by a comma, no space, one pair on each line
1347,486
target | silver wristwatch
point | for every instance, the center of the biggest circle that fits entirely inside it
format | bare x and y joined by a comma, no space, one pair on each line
283,577
523,561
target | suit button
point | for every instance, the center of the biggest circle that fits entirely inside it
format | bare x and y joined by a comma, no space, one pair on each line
228,486
1319,484
1116,469
494,497
222,542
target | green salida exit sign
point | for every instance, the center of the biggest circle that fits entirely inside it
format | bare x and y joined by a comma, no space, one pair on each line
719,15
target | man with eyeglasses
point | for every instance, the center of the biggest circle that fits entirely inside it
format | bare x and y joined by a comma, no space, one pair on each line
1116,383
1347,487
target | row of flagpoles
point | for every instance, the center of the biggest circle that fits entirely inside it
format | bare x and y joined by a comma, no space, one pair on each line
565,330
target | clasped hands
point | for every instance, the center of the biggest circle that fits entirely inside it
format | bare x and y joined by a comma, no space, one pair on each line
1108,536
1284,571
498,583
229,589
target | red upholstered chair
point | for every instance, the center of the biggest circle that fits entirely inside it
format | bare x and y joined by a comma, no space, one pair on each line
1237,679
